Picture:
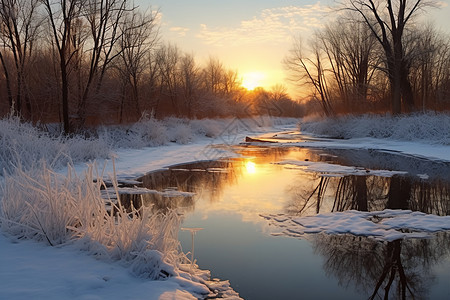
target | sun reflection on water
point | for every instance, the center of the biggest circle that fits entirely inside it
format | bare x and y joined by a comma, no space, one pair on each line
250,167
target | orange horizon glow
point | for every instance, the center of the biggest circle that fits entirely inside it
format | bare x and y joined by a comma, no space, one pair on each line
267,79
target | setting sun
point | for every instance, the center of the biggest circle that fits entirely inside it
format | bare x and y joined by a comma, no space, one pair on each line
252,80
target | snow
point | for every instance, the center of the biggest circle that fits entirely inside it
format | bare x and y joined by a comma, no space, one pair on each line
418,149
428,128
422,135
328,169
33,270
386,225
142,191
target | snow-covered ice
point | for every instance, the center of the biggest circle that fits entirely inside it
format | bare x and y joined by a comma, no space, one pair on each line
386,225
337,170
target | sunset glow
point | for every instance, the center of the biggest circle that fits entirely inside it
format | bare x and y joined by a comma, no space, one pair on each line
250,167
251,37
252,80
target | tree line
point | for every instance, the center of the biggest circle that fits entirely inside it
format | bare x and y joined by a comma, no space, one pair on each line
86,62
375,57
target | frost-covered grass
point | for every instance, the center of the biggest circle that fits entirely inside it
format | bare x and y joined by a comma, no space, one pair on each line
428,127
150,132
46,206
24,145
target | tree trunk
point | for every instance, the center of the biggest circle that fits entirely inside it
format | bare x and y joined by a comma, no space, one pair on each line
361,193
407,92
396,95
8,83
65,95
399,193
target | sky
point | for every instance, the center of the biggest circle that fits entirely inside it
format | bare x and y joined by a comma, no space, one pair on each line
250,36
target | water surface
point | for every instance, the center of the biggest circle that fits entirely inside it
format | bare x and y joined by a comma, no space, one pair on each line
237,244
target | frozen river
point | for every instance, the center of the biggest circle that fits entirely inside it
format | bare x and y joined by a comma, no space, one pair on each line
242,204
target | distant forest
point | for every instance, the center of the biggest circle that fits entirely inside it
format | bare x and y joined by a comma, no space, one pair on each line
87,62
375,57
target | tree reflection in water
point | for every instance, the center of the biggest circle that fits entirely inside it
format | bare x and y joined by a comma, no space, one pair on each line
396,270
369,193
205,178
399,269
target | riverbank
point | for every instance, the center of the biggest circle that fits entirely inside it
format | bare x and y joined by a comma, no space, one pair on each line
34,270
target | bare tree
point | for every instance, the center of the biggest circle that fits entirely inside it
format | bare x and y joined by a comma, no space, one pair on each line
388,20
441,74
231,81
104,18
351,51
62,15
213,75
310,71
431,66
19,29
138,36
278,92
190,80
168,59
152,82
86,34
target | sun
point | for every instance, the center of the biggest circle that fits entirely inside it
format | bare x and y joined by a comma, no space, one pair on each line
252,80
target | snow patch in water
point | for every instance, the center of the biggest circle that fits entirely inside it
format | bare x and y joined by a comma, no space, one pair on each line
386,225
338,170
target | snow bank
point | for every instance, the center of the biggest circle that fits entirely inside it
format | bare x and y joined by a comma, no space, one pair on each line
150,132
33,270
386,225
428,127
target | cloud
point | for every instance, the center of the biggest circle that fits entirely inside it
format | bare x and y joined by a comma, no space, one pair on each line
441,4
271,25
158,15
180,31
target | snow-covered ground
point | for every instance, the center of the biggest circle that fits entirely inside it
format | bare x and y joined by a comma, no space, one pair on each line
35,270
32,270
421,135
